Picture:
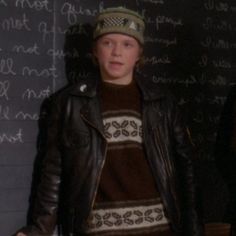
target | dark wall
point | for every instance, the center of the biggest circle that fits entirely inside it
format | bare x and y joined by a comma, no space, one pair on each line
44,44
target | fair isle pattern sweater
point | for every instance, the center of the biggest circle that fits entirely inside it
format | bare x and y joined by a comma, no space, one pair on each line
127,200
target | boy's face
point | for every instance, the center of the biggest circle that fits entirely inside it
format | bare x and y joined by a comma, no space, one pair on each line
117,55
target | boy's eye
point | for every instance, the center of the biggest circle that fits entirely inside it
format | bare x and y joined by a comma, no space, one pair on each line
106,42
127,44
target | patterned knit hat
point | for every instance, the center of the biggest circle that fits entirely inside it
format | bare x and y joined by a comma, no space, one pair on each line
120,20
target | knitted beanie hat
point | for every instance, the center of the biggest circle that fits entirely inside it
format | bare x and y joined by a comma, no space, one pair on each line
120,20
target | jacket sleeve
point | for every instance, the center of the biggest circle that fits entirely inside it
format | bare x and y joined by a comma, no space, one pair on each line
185,153
45,205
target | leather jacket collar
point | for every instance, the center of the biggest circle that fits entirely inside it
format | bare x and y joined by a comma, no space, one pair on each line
149,89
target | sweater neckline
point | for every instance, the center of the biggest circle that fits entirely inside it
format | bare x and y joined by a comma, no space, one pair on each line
113,86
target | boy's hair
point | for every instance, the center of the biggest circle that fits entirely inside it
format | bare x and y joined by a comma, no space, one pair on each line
120,20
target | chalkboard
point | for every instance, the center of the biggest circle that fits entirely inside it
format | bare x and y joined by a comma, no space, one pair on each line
190,47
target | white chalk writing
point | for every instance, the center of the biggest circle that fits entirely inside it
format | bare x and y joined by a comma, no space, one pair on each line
48,30
16,24
168,20
3,2
217,100
4,87
4,112
154,60
74,76
220,63
26,116
36,5
218,80
6,67
30,93
165,42
60,54
212,5
209,42
221,25
7,114
45,72
12,138
69,10
26,50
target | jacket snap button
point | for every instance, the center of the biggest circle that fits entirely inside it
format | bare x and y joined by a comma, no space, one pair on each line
83,88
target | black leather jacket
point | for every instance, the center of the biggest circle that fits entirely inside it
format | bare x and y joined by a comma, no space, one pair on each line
76,151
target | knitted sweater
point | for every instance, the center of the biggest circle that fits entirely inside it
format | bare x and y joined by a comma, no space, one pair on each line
127,200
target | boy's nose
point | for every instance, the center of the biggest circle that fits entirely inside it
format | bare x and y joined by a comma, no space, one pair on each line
116,50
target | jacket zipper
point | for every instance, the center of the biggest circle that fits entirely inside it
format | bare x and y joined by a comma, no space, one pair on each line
161,149
102,165
168,172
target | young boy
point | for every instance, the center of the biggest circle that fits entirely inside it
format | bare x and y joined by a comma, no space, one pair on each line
119,158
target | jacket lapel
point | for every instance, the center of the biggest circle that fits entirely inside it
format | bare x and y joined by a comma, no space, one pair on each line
92,115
